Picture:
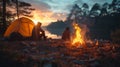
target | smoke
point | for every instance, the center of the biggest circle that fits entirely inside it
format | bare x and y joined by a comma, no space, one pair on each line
84,32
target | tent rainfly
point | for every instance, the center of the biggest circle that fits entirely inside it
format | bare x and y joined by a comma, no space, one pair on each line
23,25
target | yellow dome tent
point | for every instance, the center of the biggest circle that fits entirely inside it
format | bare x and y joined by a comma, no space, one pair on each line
23,25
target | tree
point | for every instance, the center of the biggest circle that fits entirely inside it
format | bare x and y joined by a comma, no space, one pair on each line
114,7
104,10
95,11
115,35
85,9
118,6
113,4
19,7
4,14
22,8
75,13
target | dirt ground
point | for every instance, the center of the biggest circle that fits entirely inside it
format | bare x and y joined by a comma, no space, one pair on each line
59,53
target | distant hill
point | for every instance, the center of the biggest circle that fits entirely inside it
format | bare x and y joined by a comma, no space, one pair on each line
57,27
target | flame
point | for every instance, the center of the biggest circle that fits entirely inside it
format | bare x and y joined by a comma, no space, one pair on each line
78,39
97,43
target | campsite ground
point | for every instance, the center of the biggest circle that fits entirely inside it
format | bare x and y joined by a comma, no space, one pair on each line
57,53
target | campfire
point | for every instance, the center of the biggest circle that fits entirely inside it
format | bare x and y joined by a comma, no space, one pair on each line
77,39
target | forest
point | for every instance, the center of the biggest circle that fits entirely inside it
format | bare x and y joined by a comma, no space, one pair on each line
102,20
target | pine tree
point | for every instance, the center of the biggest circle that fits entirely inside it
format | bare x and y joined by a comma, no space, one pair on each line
85,9
104,10
4,14
21,8
95,10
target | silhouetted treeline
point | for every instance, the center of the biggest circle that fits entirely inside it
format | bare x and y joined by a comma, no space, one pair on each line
57,27
101,20
104,26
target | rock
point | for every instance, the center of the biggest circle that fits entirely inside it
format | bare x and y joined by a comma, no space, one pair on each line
33,43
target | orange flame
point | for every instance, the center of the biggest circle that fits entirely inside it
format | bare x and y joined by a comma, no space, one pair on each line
78,39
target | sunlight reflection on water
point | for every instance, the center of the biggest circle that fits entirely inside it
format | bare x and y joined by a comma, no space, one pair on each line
49,35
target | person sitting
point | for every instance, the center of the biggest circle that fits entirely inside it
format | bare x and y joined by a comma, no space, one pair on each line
41,31
38,32
66,34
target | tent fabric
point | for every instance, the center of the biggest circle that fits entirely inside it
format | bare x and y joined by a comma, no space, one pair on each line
23,25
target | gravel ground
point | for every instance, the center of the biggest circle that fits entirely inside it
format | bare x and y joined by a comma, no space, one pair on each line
58,53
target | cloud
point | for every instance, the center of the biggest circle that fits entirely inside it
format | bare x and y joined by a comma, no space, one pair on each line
59,16
47,17
52,10
39,4
60,6
43,17
42,13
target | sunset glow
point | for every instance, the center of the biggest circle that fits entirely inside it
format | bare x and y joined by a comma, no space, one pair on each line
49,35
46,17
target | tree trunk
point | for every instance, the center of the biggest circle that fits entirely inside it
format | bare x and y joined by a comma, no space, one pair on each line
4,15
17,8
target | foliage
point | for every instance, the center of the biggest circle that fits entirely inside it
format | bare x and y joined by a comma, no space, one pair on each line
115,35
96,10
100,19
9,9
23,7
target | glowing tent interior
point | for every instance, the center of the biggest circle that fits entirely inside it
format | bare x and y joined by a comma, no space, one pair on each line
23,26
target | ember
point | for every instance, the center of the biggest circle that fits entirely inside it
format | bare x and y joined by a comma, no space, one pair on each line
77,39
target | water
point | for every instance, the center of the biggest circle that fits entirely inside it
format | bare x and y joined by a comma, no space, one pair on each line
49,34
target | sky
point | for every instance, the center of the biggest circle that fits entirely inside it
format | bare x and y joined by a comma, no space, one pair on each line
48,11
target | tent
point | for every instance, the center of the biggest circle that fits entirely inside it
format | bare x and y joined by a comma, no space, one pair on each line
23,26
